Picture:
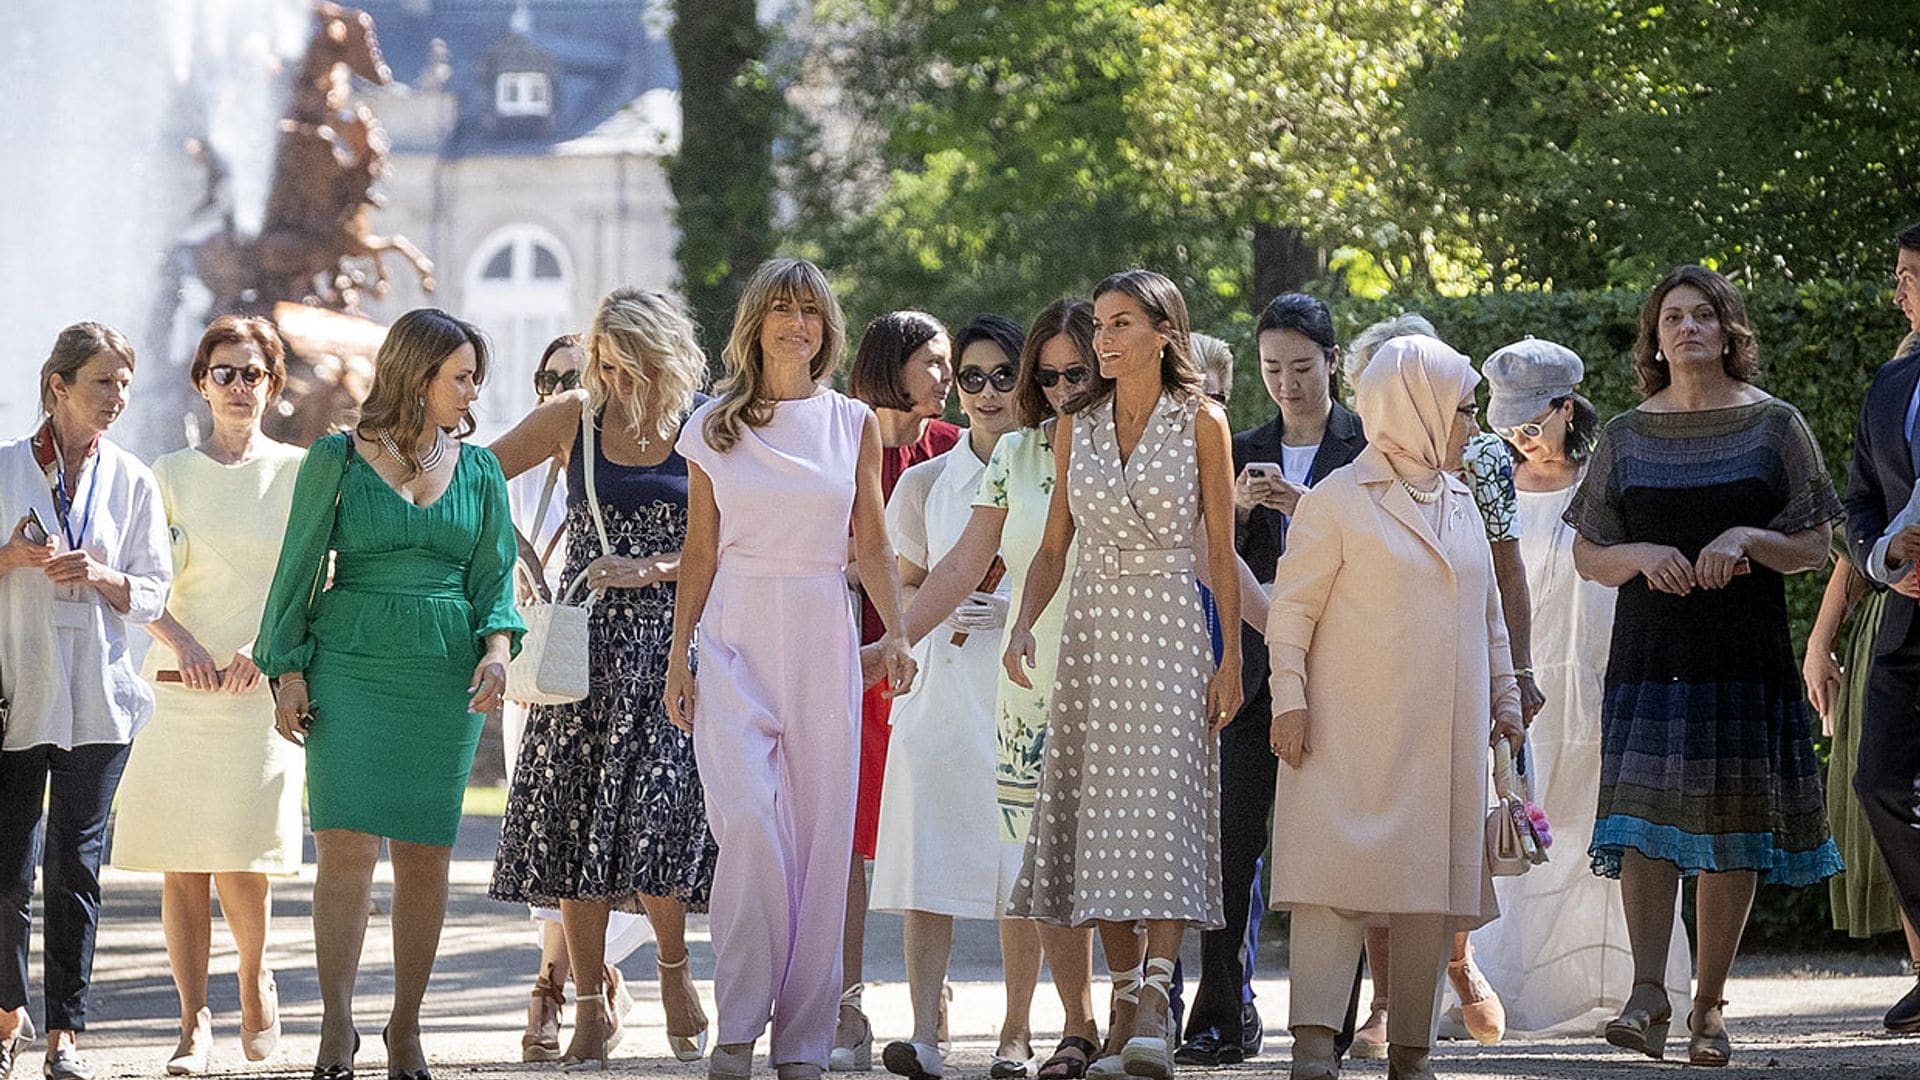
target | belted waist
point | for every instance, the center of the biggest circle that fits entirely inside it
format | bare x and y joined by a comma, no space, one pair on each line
401,573
747,564
1113,562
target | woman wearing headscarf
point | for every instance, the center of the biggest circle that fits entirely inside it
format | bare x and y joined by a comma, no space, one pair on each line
1386,683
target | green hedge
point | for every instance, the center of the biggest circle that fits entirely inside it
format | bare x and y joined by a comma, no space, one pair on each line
1819,345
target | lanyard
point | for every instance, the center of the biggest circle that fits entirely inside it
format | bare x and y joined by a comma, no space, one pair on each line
65,504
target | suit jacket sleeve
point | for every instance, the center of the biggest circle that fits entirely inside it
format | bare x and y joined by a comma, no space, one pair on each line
1865,502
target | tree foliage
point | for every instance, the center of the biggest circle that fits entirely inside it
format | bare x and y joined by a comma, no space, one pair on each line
992,173
1602,141
1286,113
722,178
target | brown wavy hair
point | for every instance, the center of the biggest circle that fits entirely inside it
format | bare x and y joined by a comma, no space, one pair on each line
1741,360
743,402
1071,317
416,346
242,330
1160,298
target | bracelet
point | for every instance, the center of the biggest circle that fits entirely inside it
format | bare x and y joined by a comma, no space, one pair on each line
1523,673
301,679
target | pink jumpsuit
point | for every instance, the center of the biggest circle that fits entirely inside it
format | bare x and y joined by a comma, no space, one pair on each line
776,718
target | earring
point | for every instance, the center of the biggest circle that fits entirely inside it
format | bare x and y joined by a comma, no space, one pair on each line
421,400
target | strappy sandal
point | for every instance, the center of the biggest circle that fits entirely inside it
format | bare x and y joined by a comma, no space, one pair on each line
1643,1030
1064,1064
1712,1051
1126,991
1151,1056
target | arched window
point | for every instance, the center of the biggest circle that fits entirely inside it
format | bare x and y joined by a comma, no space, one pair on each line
519,290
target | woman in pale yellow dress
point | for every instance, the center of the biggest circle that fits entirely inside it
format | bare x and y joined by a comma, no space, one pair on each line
211,795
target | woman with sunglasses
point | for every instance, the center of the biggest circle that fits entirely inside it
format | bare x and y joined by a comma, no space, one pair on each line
1559,954
939,855
227,501
1009,514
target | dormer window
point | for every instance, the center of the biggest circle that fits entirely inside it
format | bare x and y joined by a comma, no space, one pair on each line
523,93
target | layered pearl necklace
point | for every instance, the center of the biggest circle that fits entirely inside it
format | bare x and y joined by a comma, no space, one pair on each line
427,460
1425,498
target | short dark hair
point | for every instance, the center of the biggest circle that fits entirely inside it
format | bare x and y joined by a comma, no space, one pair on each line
242,330
1005,334
1909,237
884,348
1305,315
564,341
1072,317
1583,428
1742,358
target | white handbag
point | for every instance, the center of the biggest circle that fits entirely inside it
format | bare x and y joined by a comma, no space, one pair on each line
1513,847
552,666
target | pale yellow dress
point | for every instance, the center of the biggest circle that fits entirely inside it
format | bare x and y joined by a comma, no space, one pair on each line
209,786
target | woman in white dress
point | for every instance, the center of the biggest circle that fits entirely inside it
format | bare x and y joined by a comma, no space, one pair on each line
940,853
227,502
1558,954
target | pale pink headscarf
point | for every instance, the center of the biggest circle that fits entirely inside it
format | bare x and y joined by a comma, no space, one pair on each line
1407,399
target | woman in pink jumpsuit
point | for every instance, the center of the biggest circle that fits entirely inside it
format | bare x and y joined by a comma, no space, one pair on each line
777,464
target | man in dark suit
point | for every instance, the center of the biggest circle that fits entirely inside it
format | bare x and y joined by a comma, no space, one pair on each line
1886,458
1312,436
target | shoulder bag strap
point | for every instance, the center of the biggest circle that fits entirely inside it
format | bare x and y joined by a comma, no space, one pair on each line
586,468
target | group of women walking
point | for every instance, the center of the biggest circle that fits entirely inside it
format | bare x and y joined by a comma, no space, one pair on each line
1021,665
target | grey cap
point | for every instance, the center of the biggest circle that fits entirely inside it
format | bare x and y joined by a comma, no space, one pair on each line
1525,377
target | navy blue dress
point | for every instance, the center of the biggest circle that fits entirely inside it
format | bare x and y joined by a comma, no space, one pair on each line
606,803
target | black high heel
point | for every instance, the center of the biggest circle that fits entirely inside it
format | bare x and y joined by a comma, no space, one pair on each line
337,1071
421,1073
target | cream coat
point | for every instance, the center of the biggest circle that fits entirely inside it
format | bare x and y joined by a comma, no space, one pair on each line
1391,637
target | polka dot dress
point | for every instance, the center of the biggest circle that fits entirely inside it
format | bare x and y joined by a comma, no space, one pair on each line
1127,821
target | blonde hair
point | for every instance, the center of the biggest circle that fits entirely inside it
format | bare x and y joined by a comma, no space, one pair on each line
417,344
76,345
741,391
1360,351
1215,358
649,336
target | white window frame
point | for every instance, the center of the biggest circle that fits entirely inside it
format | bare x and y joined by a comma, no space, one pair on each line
523,93
520,315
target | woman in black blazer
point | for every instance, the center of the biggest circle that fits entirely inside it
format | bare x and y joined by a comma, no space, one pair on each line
1312,435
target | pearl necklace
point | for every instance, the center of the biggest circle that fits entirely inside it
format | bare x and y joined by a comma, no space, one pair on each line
1425,498
427,460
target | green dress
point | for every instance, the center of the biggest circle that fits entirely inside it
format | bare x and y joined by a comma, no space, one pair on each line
1862,895
389,647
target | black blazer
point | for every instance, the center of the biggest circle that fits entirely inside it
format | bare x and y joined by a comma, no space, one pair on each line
1263,537
1881,479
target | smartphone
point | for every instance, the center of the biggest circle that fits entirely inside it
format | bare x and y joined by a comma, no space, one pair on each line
36,530
1264,470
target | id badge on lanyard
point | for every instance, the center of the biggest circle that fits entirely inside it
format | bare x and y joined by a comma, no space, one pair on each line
73,605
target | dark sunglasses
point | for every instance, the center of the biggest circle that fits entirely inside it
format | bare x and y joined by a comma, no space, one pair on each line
1048,378
973,379
549,381
224,374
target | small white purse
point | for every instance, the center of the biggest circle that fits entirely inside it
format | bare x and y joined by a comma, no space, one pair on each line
552,666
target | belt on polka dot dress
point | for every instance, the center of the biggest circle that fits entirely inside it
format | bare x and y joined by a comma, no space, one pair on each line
1113,562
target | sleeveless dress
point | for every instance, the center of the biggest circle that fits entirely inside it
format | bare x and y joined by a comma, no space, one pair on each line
226,523
1126,825
1706,756
606,802
390,647
940,847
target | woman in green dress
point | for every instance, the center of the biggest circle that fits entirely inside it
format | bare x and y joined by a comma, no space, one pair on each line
386,674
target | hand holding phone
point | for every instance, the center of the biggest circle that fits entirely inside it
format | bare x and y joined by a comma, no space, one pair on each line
34,529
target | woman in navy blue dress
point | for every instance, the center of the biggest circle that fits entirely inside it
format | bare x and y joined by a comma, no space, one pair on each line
606,810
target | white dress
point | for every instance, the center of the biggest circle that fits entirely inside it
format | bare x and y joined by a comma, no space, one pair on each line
940,846
1558,954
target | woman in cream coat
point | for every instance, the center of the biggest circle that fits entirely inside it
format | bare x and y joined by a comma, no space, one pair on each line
1384,723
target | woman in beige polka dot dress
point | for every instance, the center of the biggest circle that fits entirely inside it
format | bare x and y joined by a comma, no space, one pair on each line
1125,828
